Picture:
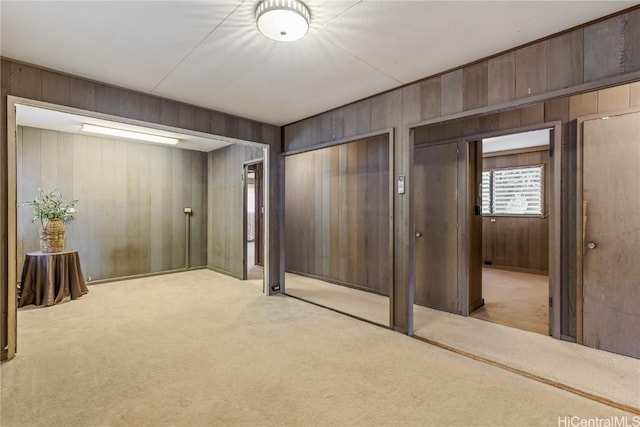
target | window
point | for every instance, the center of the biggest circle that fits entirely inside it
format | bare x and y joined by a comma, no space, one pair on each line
486,192
513,191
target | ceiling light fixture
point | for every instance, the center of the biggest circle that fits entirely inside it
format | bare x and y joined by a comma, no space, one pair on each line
129,134
283,20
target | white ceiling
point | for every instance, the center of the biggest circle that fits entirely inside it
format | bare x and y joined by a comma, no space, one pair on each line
27,115
210,54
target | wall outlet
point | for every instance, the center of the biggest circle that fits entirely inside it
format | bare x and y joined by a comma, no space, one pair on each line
89,279
275,288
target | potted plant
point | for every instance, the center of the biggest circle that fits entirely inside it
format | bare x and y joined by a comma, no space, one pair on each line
51,210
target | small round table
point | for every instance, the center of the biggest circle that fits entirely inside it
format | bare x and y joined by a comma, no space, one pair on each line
51,278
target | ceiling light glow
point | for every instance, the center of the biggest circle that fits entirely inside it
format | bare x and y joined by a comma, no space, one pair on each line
283,20
129,134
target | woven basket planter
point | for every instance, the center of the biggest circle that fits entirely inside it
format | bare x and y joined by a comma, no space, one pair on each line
52,236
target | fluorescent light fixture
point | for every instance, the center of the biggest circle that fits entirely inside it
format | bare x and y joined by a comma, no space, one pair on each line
129,134
283,20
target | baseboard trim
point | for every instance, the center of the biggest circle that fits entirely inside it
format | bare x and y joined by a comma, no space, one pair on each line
476,305
338,282
143,275
517,269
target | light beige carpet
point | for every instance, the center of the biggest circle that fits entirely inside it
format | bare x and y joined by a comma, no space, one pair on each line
597,372
200,349
519,300
253,271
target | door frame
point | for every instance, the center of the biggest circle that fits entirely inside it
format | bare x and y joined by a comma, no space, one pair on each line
12,181
579,260
245,174
555,236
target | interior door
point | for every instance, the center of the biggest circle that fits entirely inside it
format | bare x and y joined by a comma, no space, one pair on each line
611,234
436,226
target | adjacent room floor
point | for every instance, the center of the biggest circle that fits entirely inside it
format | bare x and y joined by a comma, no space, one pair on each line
253,271
201,348
519,300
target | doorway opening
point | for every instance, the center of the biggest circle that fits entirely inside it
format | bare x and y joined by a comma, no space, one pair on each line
253,220
509,230
143,188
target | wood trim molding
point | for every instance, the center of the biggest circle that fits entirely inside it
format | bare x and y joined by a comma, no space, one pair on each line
142,276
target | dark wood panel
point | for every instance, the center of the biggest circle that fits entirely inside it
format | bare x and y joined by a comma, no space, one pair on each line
150,109
604,48
632,52
337,214
566,60
363,124
24,81
170,113
502,78
451,85
532,115
107,99
56,87
634,95
430,98
130,105
475,86
531,69
583,105
613,99
82,94
114,230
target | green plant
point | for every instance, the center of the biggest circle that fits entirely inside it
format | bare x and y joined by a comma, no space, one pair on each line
49,205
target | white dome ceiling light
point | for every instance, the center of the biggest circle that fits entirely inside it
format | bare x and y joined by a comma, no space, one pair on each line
283,20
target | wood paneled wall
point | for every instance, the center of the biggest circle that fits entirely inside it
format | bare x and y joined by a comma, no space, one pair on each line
520,243
33,82
225,207
337,214
131,198
603,53
565,110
